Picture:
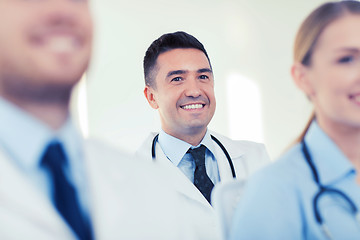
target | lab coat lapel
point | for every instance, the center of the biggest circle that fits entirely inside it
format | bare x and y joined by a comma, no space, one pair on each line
223,164
101,185
120,209
178,179
27,204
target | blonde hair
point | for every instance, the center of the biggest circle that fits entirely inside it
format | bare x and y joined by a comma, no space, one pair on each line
310,31
312,27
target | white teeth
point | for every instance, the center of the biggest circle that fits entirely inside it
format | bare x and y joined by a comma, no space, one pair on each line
61,44
193,106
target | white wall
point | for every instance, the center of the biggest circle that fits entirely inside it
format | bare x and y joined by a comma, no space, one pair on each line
251,38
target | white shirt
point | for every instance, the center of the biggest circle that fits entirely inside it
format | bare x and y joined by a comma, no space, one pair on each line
24,138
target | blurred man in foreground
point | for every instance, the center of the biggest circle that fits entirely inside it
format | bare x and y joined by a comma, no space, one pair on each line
53,184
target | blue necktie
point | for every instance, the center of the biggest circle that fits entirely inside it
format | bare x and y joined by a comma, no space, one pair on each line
201,179
64,193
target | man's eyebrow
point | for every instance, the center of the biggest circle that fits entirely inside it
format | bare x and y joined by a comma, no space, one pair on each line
176,72
204,70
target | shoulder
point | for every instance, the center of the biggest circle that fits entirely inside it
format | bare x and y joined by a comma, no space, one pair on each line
144,151
94,148
246,155
115,159
105,160
286,171
273,192
137,192
239,145
122,166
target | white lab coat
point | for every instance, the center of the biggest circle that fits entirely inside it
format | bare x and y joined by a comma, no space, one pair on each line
126,202
246,156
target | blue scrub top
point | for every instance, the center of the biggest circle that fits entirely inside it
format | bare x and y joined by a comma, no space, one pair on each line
278,200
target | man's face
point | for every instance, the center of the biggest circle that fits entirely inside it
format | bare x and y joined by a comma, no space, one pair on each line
43,44
184,92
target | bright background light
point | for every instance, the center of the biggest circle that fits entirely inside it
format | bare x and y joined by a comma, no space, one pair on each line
244,109
80,106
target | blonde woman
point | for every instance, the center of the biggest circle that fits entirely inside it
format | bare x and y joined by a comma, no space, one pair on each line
313,190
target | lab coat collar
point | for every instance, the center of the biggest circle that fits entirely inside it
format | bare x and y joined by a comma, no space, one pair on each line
175,149
20,130
329,160
178,180
233,149
20,196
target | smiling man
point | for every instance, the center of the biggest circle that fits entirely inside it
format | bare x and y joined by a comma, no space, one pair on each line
183,92
53,183
180,85
45,48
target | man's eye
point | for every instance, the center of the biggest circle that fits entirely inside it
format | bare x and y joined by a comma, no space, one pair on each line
176,79
203,77
346,59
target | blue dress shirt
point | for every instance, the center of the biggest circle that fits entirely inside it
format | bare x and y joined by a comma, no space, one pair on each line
278,200
175,150
24,139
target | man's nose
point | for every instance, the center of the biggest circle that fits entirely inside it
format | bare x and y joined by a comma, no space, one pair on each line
193,88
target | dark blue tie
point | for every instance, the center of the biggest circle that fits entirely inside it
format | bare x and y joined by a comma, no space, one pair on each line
64,193
201,179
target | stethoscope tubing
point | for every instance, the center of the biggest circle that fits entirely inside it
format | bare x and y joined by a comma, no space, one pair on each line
153,153
323,190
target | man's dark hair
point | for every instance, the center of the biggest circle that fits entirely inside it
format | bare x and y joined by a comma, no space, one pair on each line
167,42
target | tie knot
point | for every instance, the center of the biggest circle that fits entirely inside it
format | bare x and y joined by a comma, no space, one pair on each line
54,156
198,154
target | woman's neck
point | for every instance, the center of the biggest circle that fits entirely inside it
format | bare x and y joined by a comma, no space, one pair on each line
346,137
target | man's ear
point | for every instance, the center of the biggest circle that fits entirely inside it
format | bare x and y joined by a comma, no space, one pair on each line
150,97
302,79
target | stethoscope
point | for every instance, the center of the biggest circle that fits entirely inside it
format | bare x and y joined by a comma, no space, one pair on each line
153,154
322,191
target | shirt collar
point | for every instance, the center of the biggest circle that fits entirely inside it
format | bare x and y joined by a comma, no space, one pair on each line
329,160
208,143
24,138
71,139
175,149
